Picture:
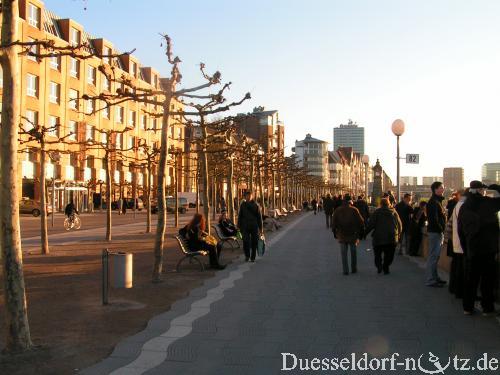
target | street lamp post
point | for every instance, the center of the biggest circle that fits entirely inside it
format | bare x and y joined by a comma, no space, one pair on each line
398,128
366,160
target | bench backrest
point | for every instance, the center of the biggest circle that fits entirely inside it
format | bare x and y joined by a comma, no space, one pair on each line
218,231
285,210
182,243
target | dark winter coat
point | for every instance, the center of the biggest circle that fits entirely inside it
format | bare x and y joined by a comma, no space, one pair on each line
363,209
436,215
348,224
328,204
404,211
249,217
478,225
386,226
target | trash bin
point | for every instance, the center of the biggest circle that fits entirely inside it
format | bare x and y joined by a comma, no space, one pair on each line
121,270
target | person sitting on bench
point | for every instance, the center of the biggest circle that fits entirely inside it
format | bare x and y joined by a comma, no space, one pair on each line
198,240
227,226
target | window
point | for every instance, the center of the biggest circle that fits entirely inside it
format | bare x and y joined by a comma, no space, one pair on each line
73,99
91,75
179,133
90,106
105,112
32,86
154,124
1,76
133,68
131,119
72,130
53,126
119,115
119,141
31,120
106,52
155,81
106,84
55,62
104,138
143,122
34,15
34,49
90,161
130,143
55,92
74,36
74,67
89,133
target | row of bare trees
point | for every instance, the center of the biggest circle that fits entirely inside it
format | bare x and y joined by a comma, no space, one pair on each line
221,156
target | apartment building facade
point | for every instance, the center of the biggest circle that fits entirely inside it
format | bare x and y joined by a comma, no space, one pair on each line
52,96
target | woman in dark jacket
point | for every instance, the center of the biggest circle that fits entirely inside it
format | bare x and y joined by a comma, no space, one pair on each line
227,226
198,239
416,226
387,228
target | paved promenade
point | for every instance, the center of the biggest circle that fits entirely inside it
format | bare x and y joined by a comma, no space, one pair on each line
296,300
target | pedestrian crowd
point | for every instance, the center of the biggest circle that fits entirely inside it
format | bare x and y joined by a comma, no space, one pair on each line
466,228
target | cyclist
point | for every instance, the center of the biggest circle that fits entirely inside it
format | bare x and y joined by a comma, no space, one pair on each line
70,211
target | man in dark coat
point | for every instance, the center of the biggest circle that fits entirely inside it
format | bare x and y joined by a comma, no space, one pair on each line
328,208
436,223
405,211
478,230
250,224
348,228
362,207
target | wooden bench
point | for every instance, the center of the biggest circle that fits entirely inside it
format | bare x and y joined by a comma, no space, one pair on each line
231,240
279,214
191,255
295,209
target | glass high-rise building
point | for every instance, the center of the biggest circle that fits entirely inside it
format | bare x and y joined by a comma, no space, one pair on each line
350,135
490,173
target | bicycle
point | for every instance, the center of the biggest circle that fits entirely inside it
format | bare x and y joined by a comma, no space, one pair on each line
72,222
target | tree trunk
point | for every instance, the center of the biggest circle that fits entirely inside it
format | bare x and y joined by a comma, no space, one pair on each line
261,191
44,236
230,190
161,226
16,317
252,169
176,194
148,198
204,176
109,184
214,195
273,186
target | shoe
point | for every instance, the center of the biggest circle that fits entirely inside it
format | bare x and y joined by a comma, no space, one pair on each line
488,313
346,273
436,285
379,269
354,271
386,272
252,260
442,282
467,312
247,259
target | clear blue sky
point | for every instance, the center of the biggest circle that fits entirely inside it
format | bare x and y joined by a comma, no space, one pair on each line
433,63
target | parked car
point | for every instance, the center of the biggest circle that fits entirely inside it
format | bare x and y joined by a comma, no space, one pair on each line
29,206
130,204
183,205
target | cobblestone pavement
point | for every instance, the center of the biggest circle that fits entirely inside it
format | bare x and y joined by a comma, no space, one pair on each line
296,300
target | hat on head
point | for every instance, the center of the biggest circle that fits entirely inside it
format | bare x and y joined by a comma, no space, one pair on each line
477,185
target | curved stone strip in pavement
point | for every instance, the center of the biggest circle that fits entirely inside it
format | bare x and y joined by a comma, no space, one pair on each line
154,351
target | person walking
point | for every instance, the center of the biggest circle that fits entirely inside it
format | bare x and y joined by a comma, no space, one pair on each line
348,228
362,207
405,211
478,230
436,219
387,228
456,285
417,225
314,204
328,208
250,224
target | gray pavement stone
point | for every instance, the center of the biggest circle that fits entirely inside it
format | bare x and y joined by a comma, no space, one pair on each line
296,300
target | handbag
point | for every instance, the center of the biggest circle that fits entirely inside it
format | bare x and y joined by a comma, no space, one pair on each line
238,235
211,240
261,245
